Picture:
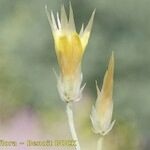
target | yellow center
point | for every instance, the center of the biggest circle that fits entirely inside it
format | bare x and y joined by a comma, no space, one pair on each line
69,53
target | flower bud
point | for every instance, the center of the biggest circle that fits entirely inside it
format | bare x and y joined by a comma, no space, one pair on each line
101,115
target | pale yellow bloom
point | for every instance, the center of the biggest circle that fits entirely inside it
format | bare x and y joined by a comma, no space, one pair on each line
102,112
69,46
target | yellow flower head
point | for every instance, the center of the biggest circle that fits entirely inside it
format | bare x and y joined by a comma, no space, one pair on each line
102,112
69,46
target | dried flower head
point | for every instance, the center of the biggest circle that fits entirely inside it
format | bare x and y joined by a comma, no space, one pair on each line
101,115
69,46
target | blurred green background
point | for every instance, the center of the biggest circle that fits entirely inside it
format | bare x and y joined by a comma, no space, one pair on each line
27,59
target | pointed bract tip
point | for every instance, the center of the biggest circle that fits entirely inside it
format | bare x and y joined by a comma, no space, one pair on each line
111,62
58,21
71,18
63,11
94,12
97,88
90,23
63,18
112,56
47,12
81,30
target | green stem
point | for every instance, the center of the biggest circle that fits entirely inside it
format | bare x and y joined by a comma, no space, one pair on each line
71,124
100,143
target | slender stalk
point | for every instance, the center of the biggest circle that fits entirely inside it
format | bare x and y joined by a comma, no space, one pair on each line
71,124
100,143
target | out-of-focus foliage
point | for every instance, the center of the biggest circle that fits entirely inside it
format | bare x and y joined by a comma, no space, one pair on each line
27,59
